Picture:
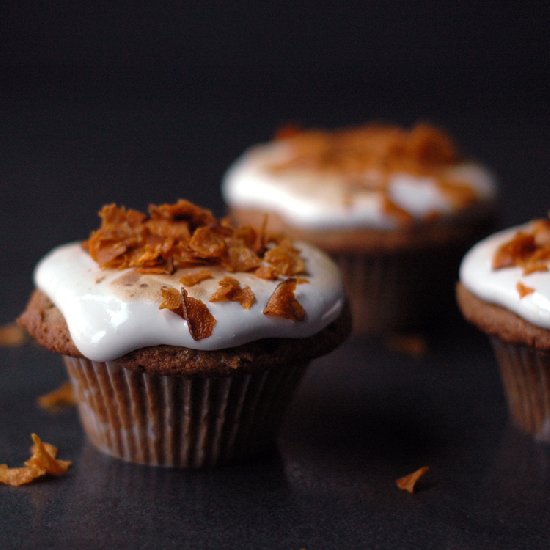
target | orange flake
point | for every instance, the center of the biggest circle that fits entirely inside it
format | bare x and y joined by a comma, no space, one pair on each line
183,235
408,482
43,457
241,258
42,461
283,303
413,345
230,290
58,398
206,243
515,251
195,277
12,335
285,259
524,290
396,212
267,272
200,321
171,298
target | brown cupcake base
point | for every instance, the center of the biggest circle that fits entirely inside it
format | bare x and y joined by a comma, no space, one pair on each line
181,421
402,290
525,375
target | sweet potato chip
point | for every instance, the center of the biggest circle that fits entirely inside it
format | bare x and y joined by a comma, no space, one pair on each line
524,290
414,345
241,258
408,482
42,461
195,277
58,398
43,457
12,335
174,236
206,243
529,250
171,298
200,321
283,303
515,251
285,259
230,290
357,153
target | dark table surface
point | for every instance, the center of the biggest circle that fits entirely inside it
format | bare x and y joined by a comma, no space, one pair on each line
362,417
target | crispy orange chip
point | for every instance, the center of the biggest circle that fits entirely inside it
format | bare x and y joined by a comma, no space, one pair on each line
283,303
58,398
408,482
524,290
241,258
171,298
230,290
285,259
200,321
414,345
396,212
12,335
357,153
529,250
44,457
42,461
172,237
266,272
195,277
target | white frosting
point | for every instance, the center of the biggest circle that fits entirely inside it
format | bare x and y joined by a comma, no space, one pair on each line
499,286
314,200
110,312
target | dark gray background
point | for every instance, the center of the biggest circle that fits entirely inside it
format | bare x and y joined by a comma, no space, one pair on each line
139,103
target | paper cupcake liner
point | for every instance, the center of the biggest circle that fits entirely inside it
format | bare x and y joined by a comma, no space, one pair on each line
181,421
526,379
400,290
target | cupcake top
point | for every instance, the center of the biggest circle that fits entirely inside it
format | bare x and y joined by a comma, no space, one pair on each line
377,176
511,269
180,277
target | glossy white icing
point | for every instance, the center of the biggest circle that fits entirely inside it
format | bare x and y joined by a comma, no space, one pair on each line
112,312
314,200
499,286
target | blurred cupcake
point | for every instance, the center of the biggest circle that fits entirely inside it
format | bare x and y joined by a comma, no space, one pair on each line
184,337
504,290
396,208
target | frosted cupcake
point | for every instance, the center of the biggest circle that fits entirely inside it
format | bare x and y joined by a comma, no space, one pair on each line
505,291
396,208
184,336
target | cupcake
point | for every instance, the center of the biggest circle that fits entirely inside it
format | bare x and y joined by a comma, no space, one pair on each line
504,290
184,336
396,208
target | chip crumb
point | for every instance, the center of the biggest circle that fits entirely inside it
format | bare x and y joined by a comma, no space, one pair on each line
283,303
43,461
422,150
12,335
195,277
200,321
179,236
408,482
57,399
524,290
230,290
529,250
414,345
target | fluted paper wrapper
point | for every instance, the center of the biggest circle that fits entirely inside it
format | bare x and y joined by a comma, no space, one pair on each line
525,375
181,421
400,290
